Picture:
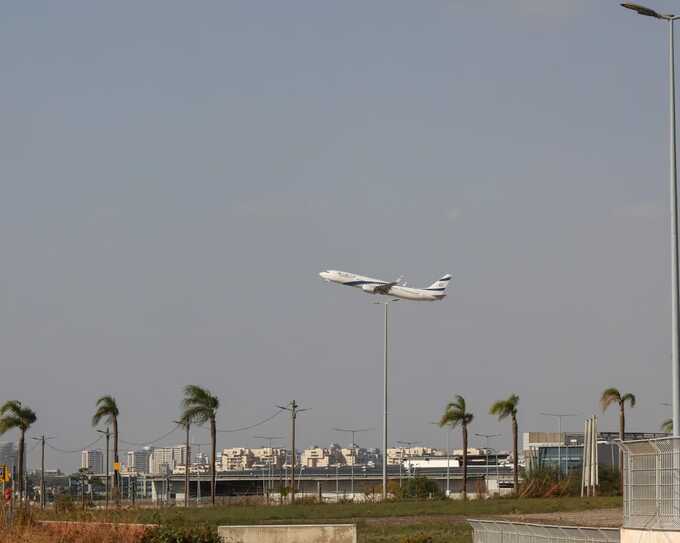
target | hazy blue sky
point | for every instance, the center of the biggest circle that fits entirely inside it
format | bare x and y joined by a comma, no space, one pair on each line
175,175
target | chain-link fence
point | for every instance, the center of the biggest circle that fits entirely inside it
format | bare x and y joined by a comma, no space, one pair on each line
651,483
494,531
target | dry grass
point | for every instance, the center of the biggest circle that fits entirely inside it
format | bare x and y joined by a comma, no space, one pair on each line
36,533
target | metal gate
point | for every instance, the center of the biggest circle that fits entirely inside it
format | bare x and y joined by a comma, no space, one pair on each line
651,483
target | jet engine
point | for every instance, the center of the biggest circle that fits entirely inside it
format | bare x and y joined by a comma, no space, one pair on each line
369,288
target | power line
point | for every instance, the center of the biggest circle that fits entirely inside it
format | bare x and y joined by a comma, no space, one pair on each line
80,449
244,427
152,441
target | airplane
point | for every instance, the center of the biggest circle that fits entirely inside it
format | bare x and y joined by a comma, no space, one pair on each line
436,291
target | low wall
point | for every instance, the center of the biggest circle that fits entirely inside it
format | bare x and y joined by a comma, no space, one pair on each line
290,533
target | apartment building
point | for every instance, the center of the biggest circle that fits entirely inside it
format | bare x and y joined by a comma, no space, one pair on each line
92,460
166,459
139,461
237,459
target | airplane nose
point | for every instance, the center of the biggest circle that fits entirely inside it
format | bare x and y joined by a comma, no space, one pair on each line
324,275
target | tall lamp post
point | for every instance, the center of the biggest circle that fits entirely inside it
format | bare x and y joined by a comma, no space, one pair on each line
642,10
448,459
384,455
353,431
560,416
486,451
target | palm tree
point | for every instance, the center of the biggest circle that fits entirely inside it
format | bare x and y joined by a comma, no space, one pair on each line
14,415
667,426
508,408
454,415
612,396
107,410
201,406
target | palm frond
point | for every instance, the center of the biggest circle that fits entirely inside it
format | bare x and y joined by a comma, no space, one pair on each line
10,406
16,415
9,422
455,413
500,409
107,409
195,395
609,396
667,426
630,398
197,414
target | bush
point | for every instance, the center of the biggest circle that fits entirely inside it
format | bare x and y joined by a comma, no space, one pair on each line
167,534
420,488
417,538
545,482
64,503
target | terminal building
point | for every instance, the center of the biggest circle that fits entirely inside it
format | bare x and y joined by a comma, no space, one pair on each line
565,450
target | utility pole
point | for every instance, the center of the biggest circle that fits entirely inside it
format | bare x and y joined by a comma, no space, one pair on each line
42,439
560,416
294,409
108,435
353,431
187,460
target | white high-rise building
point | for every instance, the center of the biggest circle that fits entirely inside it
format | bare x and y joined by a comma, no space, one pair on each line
166,459
92,460
139,460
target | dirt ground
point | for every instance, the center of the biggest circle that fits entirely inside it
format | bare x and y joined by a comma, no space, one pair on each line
600,518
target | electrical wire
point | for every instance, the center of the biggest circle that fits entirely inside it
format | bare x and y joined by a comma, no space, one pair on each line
245,427
74,450
152,441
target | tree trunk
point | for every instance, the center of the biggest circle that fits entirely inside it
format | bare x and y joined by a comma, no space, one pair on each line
187,465
515,454
622,434
20,469
116,474
213,439
465,455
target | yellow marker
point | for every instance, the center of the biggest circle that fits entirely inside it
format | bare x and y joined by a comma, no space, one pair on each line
116,466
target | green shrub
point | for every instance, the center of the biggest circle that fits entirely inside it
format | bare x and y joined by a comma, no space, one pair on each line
421,488
417,538
169,534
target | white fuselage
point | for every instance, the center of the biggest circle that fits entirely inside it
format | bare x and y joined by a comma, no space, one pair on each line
369,285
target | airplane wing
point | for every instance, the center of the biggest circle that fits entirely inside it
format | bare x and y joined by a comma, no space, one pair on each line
384,288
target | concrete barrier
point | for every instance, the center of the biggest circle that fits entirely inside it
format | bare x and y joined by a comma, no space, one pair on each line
290,533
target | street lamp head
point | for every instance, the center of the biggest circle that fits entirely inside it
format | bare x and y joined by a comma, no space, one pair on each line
642,10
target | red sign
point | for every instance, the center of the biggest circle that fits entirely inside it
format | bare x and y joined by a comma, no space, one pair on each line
8,495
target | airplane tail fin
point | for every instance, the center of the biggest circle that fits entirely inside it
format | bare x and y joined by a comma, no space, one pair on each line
440,285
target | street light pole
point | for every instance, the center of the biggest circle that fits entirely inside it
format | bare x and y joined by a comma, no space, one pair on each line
384,461
270,471
675,280
108,435
560,416
353,431
409,445
486,451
